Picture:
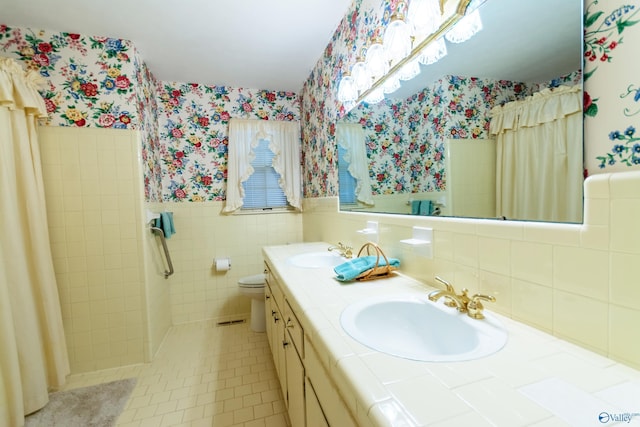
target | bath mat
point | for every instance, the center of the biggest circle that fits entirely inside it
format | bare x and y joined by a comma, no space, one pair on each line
95,406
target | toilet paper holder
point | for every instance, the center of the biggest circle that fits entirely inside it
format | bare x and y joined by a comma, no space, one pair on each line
222,263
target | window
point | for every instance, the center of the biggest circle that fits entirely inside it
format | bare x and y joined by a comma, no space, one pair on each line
261,190
347,183
353,165
268,153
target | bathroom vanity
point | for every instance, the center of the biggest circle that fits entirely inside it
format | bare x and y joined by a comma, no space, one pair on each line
330,379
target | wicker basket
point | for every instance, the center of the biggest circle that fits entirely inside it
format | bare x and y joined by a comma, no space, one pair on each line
379,271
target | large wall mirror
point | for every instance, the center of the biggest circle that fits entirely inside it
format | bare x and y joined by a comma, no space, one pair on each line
491,130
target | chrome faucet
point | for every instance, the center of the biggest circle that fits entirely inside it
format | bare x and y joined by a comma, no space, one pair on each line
462,302
344,250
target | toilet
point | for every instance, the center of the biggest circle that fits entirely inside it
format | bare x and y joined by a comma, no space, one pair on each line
253,287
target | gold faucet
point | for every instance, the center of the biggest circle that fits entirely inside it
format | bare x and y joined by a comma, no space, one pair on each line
462,302
344,250
475,307
452,299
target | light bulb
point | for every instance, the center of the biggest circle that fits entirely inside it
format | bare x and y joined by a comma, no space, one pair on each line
424,18
347,91
361,75
397,40
376,59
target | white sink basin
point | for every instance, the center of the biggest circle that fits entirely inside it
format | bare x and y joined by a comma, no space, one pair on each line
320,259
412,327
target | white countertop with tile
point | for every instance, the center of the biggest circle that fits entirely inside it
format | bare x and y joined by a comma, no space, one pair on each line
535,380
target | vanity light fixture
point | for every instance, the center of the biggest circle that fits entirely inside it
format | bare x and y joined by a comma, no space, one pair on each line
347,91
397,38
391,84
361,75
376,59
424,31
424,17
374,96
409,70
433,52
468,26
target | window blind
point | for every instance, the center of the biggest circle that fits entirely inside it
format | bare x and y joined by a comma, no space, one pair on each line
347,183
261,190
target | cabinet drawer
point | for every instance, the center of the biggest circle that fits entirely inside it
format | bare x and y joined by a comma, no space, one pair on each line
294,328
277,295
274,287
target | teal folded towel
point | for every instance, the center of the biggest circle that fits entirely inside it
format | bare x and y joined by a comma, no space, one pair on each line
421,207
415,207
425,207
165,223
351,269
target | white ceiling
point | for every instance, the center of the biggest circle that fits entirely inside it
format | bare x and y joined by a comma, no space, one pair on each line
255,44
275,44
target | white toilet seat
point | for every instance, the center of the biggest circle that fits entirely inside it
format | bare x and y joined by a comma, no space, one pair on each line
256,281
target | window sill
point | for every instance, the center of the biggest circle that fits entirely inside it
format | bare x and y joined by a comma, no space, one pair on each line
265,211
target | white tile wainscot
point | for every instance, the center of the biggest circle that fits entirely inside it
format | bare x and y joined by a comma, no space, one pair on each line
383,390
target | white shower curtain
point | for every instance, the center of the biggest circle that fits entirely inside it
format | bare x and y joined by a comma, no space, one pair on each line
539,172
33,353
350,136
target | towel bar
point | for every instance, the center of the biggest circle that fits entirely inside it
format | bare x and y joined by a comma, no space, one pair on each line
158,232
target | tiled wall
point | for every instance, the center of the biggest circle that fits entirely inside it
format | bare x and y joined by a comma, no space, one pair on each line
116,303
157,288
199,292
578,282
471,181
91,81
94,195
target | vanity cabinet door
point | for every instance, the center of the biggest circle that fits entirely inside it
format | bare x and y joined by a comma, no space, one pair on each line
294,328
275,327
315,416
279,345
269,312
295,385
294,350
328,395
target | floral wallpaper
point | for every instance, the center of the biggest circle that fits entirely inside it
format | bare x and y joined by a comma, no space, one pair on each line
148,110
320,108
94,81
103,82
405,138
612,92
610,33
193,127
91,81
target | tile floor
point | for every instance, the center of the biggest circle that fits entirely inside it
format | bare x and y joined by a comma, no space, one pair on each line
203,375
